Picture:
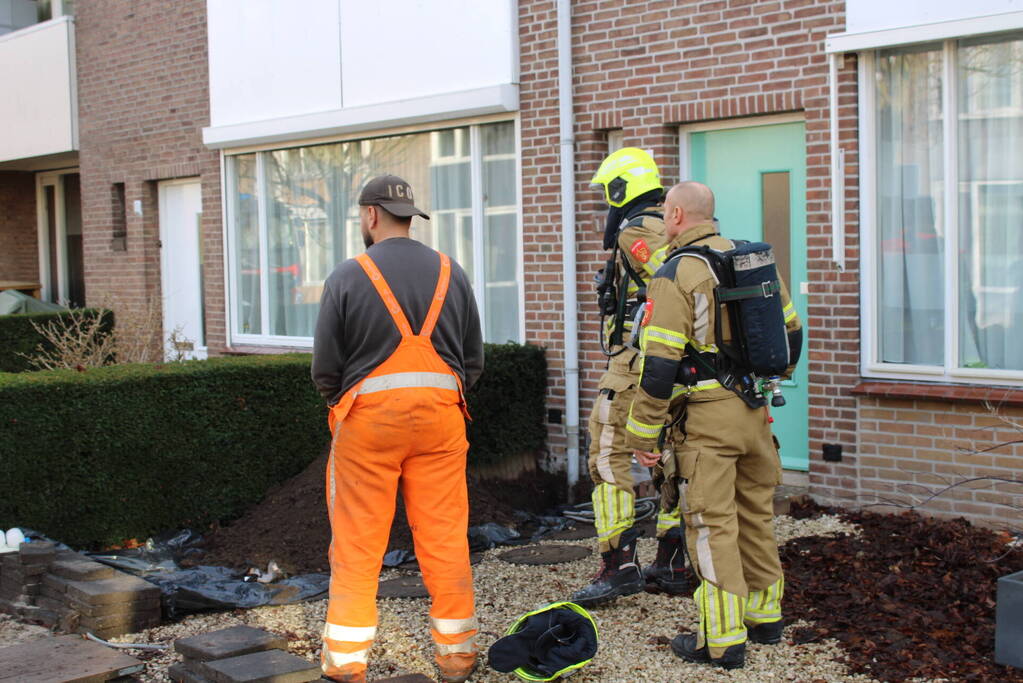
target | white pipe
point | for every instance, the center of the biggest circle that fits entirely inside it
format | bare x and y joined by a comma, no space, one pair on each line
837,170
570,305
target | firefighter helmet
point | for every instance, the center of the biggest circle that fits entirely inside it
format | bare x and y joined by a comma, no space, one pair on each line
626,174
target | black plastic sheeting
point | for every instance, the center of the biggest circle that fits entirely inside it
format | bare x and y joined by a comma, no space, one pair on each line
205,587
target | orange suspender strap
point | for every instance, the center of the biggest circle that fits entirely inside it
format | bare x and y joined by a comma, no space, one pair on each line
438,296
393,307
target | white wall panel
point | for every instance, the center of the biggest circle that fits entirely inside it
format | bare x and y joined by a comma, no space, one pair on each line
38,111
404,49
270,59
876,15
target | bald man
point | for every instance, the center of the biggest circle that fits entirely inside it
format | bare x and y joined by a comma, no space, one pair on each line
718,450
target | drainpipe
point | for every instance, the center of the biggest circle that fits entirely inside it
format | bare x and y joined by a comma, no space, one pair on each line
568,240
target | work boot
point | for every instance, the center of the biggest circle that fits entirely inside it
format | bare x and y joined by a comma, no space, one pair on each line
669,572
619,574
684,646
456,668
348,676
766,634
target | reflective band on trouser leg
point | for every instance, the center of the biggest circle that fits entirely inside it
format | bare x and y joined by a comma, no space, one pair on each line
764,607
454,636
666,521
345,648
721,617
613,512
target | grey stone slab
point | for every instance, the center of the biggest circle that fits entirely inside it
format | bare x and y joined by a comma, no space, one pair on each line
544,554
55,583
64,658
269,666
132,621
37,552
120,588
228,643
403,587
85,609
179,673
81,570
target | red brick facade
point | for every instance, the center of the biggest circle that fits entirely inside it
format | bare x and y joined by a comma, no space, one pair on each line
19,250
143,94
645,68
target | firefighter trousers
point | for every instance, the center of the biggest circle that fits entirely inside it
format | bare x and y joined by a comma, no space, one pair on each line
729,464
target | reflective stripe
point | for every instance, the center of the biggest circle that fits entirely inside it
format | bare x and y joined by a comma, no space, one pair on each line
789,311
607,435
613,511
701,324
721,616
409,380
468,647
640,429
336,660
664,336
703,554
764,606
454,626
669,520
350,634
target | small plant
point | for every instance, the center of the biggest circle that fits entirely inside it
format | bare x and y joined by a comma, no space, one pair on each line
75,341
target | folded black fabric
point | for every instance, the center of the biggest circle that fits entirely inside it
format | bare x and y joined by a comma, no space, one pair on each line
547,643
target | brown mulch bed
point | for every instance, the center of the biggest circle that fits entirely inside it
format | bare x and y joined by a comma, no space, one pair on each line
290,524
912,597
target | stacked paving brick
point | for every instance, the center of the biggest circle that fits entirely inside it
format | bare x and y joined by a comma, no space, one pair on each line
71,591
240,654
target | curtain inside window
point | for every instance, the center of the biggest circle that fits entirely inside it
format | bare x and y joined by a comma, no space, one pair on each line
910,218
990,125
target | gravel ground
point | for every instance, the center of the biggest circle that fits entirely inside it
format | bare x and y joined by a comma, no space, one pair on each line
13,631
633,630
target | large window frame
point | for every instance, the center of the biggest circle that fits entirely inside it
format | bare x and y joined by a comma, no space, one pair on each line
264,340
871,366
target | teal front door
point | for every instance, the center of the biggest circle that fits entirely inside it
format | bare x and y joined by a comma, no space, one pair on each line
758,175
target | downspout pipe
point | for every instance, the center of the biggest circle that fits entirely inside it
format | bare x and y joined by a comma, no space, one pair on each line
568,262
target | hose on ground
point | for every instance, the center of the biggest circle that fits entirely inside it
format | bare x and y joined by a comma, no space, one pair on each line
583,512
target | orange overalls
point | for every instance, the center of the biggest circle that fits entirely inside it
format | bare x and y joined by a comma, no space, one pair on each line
405,421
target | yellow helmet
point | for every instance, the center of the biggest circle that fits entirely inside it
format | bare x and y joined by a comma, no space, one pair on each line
626,174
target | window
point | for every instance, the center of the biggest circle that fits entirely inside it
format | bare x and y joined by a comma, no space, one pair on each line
293,216
944,251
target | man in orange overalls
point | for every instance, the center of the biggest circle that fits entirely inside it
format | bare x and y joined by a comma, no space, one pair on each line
392,360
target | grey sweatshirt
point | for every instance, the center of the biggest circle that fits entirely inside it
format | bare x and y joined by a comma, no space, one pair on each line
355,333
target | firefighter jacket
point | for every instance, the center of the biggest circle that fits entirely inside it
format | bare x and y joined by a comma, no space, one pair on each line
680,311
643,247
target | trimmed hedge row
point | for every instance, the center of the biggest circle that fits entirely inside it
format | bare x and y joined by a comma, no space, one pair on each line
126,451
18,336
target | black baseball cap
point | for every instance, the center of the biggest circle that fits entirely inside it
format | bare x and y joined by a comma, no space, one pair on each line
392,194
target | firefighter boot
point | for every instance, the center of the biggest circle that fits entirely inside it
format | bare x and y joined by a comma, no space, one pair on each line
766,634
684,646
456,668
668,572
619,574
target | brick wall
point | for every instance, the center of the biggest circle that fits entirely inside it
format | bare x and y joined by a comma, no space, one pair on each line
645,68
19,255
143,97
909,449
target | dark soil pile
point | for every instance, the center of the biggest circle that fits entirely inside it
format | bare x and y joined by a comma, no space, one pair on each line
912,597
290,524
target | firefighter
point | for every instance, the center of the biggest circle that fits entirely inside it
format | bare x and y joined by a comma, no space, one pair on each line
397,341
720,449
635,234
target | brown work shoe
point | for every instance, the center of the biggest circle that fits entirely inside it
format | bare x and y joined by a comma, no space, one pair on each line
456,668
348,675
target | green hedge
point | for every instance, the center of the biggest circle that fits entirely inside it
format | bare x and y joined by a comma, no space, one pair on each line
18,336
126,451
507,404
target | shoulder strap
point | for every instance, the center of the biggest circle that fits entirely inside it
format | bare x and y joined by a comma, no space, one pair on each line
438,296
393,307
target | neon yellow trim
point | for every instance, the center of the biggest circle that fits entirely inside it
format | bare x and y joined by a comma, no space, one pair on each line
641,429
514,628
664,336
